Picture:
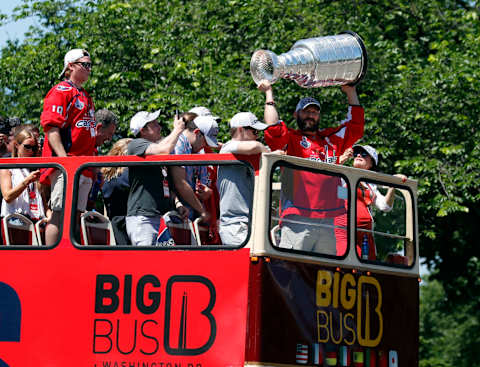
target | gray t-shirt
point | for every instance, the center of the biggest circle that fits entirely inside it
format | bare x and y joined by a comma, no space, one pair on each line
235,186
146,185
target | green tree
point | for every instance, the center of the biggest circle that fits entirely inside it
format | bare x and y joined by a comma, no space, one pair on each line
445,334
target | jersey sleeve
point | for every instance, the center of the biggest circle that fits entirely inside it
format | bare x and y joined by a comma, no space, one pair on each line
277,135
230,146
349,130
138,147
353,126
54,112
381,202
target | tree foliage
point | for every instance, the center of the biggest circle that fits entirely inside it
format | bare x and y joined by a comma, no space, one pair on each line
420,94
446,335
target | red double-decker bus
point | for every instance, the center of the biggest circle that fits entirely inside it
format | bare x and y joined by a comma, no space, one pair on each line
90,301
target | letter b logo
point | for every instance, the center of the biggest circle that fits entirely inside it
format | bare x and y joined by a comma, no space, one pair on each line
189,303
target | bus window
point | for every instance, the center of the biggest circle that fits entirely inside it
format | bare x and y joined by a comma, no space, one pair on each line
308,210
382,215
166,198
26,203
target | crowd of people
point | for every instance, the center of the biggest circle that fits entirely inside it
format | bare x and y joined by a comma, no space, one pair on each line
137,198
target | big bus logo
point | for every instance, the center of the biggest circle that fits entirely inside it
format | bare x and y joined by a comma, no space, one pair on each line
349,309
185,323
189,326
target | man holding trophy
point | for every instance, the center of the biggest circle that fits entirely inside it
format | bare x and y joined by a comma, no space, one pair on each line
311,218
311,201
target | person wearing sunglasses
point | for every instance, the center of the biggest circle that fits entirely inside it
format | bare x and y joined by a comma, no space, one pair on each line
19,186
368,196
68,119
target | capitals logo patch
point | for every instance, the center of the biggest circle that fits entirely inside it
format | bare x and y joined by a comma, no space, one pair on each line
87,124
63,88
305,143
79,104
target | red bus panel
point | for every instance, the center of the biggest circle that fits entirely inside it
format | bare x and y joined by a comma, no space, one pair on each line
68,307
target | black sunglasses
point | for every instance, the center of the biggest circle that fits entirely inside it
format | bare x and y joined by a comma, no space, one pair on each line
31,147
86,65
362,153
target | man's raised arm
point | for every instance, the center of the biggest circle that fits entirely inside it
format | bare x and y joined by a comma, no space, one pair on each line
167,144
351,93
270,114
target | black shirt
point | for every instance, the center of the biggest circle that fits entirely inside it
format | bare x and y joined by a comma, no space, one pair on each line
146,185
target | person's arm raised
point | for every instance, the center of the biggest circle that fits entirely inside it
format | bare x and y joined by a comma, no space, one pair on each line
390,196
351,93
270,114
167,144
251,147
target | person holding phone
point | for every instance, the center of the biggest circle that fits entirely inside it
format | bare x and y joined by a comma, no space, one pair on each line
150,197
19,186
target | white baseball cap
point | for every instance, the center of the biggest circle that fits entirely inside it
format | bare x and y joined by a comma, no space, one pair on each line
203,111
369,149
247,119
72,56
140,119
209,128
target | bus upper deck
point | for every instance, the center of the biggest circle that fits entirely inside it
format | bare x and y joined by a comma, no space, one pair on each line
395,231
194,303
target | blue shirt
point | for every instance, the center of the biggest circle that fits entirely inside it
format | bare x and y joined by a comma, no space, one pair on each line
193,174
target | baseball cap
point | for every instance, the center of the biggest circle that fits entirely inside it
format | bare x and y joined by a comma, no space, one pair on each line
72,56
140,119
209,128
370,150
305,102
247,119
203,111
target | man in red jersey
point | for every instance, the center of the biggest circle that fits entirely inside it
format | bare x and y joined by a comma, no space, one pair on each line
314,199
69,123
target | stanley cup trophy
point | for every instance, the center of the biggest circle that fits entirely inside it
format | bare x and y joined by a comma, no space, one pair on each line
314,62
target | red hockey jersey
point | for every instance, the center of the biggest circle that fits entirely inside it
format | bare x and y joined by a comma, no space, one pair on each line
72,111
315,195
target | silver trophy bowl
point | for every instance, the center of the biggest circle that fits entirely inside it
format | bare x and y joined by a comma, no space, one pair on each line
314,62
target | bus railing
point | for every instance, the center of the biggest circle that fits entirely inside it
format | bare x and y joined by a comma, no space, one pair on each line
260,240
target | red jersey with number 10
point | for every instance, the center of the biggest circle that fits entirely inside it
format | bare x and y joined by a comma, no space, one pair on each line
72,111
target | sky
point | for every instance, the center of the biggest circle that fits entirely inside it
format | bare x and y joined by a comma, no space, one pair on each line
13,30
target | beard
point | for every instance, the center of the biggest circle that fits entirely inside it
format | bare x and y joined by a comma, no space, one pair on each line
311,127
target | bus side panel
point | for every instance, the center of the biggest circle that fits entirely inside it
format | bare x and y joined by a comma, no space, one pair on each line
68,307
253,345
319,315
